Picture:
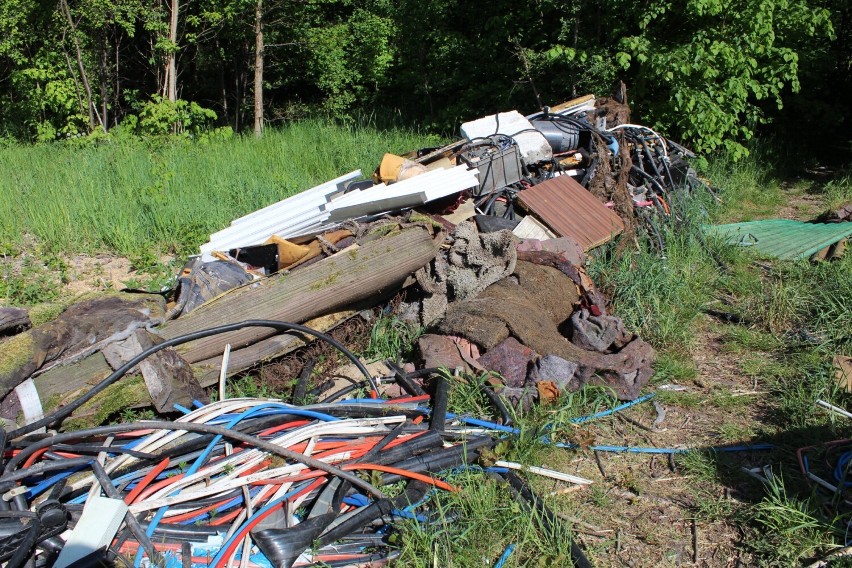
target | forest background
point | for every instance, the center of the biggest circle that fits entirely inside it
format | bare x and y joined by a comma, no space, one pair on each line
710,73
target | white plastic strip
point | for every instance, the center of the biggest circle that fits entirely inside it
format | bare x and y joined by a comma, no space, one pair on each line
835,409
275,219
30,403
545,472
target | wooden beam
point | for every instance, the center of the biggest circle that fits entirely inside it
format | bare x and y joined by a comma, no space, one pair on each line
327,286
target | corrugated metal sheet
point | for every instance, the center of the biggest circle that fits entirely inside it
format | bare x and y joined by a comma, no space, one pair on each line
571,211
783,238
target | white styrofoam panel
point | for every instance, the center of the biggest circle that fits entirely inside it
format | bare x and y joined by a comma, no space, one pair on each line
303,214
95,530
409,193
532,144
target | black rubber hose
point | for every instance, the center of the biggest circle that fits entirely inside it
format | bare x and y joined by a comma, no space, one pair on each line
434,464
549,521
282,546
404,381
422,443
425,372
654,167
321,388
8,480
186,555
301,387
65,411
364,516
374,451
52,545
441,459
495,399
438,419
651,178
91,449
421,463
131,521
189,427
343,392
22,553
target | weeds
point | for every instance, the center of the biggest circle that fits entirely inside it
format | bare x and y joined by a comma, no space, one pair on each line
130,197
33,279
790,529
474,527
674,367
247,387
392,338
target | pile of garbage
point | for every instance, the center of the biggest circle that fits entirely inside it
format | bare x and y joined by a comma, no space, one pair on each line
483,242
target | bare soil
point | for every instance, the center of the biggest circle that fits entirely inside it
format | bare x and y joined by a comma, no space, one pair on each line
639,511
94,273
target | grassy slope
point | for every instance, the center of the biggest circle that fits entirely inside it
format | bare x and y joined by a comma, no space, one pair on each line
752,381
127,197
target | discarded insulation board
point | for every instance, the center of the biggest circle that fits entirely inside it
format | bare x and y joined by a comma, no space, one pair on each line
783,238
411,192
571,211
291,217
101,519
532,144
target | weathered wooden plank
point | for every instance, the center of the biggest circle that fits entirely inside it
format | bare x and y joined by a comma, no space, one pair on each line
207,371
327,286
13,319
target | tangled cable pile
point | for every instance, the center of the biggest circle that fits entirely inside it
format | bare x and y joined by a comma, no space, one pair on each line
215,478
252,482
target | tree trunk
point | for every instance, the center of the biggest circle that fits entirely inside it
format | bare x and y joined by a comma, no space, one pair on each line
171,61
258,69
93,112
104,78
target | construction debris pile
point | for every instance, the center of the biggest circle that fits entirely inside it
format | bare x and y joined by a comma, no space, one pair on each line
483,242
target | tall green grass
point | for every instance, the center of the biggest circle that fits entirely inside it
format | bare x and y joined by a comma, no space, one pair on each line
127,196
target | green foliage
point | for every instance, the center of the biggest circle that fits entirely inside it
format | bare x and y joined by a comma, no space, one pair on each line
660,297
707,71
790,529
392,338
35,278
476,525
704,68
161,117
349,55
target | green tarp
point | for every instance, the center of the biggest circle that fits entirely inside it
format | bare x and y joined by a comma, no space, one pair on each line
783,238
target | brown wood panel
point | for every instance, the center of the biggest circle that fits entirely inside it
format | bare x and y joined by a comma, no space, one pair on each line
570,210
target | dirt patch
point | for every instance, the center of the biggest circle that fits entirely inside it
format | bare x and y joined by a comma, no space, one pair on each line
280,375
802,206
95,273
639,512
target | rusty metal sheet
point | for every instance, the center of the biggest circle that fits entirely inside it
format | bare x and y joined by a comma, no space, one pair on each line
572,211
